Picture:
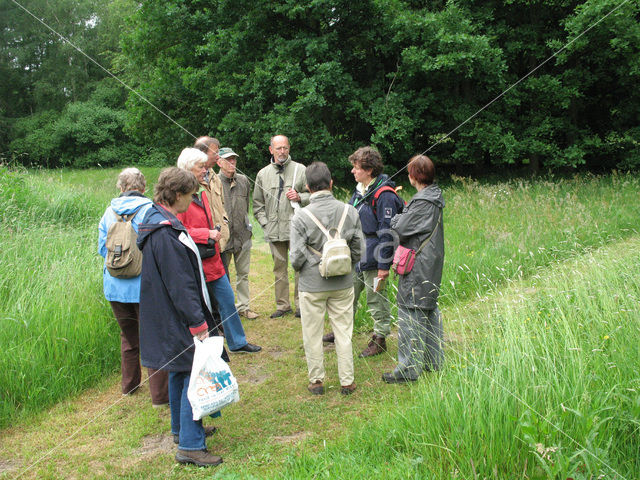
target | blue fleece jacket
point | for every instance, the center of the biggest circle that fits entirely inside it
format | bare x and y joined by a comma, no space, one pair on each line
124,290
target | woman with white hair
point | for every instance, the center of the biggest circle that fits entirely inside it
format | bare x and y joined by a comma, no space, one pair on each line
124,293
198,221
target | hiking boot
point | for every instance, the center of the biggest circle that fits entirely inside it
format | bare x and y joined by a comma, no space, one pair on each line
201,458
348,389
316,388
396,378
251,315
279,313
329,338
208,431
376,346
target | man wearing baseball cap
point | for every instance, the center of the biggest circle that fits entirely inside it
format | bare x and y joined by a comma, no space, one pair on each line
236,190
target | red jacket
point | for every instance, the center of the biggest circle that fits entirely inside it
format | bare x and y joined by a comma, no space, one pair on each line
197,220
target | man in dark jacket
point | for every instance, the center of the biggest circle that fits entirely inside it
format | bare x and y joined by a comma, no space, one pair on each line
376,201
237,190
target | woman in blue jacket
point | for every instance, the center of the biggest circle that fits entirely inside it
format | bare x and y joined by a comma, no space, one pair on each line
124,293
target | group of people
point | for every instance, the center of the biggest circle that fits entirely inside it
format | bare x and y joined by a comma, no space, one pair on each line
199,220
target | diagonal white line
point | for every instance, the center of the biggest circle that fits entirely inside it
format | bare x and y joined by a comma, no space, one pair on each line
513,85
394,175
109,407
115,77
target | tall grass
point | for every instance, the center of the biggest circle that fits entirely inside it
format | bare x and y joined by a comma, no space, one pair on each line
57,331
498,232
549,388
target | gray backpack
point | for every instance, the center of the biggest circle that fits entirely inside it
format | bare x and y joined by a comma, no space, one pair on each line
124,258
335,259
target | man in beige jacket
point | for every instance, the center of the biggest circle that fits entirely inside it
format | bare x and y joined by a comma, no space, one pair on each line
280,189
211,147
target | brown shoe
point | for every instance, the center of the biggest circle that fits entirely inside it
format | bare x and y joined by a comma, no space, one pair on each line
377,345
202,458
348,389
316,388
329,338
251,315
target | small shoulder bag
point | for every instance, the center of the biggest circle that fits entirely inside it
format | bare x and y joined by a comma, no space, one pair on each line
405,258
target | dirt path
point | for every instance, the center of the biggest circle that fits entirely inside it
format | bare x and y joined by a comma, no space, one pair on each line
102,434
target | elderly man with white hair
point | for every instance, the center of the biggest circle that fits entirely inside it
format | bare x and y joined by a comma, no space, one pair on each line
199,223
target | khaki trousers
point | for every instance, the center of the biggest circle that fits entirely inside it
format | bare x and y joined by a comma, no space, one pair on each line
377,303
242,263
338,304
280,254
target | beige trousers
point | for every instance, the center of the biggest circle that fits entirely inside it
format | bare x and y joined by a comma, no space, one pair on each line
339,306
242,263
280,254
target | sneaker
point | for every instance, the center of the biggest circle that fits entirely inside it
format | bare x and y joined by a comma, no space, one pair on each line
202,458
248,348
394,378
316,388
251,315
280,313
348,389
208,431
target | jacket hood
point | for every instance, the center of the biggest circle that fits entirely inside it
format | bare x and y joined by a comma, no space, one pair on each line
431,193
156,218
383,179
129,202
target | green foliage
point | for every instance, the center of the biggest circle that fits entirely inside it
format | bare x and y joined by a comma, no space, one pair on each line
400,75
84,134
59,107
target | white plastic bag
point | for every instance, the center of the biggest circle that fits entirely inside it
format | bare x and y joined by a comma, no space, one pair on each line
212,385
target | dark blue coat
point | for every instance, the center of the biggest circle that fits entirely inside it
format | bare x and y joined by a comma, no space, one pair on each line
376,226
173,296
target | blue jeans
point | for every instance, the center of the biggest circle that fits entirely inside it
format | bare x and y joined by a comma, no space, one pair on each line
182,423
233,329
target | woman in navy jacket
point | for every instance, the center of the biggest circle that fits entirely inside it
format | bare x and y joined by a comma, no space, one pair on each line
174,305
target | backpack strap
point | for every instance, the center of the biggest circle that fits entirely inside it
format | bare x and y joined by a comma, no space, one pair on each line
424,244
384,188
342,219
126,218
317,222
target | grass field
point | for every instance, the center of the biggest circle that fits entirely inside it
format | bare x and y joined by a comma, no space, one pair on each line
540,298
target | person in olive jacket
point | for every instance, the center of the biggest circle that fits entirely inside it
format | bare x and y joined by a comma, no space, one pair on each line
419,320
280,188
174,306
